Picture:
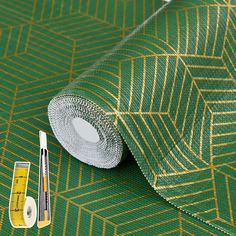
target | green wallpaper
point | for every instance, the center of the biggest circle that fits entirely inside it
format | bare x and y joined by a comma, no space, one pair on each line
183,141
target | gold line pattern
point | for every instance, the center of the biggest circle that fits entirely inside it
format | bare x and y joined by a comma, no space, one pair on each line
187,132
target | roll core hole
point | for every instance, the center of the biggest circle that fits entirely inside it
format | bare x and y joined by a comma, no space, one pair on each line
85,130
29,212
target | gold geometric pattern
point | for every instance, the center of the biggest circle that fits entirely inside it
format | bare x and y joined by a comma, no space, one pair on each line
46,44
186,153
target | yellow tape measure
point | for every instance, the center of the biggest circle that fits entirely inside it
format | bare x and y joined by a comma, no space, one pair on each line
22,209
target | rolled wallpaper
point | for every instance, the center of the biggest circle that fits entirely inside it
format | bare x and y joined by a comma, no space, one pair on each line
138,100
167,92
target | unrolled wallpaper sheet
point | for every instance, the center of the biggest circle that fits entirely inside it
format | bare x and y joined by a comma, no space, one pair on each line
153,83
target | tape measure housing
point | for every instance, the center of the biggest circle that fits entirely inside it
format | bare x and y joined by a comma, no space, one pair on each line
22,209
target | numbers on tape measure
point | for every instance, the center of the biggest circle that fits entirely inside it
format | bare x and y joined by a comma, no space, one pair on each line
18,205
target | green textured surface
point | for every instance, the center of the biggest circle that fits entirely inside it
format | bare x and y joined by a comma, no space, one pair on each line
170,89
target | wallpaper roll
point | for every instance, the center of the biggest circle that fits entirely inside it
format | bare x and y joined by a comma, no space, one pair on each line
106,152
168,92
176,174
